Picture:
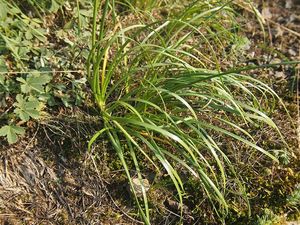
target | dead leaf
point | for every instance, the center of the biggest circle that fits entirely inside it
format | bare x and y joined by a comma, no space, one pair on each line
279,32
266,14
175,207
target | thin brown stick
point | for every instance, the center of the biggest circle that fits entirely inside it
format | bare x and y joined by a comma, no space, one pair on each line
284,28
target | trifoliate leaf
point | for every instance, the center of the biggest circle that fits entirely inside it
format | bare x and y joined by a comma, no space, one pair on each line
11,132
54,6
26,108
34,83
28,35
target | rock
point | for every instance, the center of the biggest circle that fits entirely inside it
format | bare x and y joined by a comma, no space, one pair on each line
138,185
288,4
280,75
292,52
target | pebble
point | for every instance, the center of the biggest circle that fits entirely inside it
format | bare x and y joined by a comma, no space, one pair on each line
279,75
138,184
292,52
288,4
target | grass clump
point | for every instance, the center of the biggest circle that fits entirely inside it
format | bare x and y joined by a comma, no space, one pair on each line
163,100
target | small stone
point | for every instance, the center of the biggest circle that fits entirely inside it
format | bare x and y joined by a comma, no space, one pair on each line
288,4
139,184
292,52
279,75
